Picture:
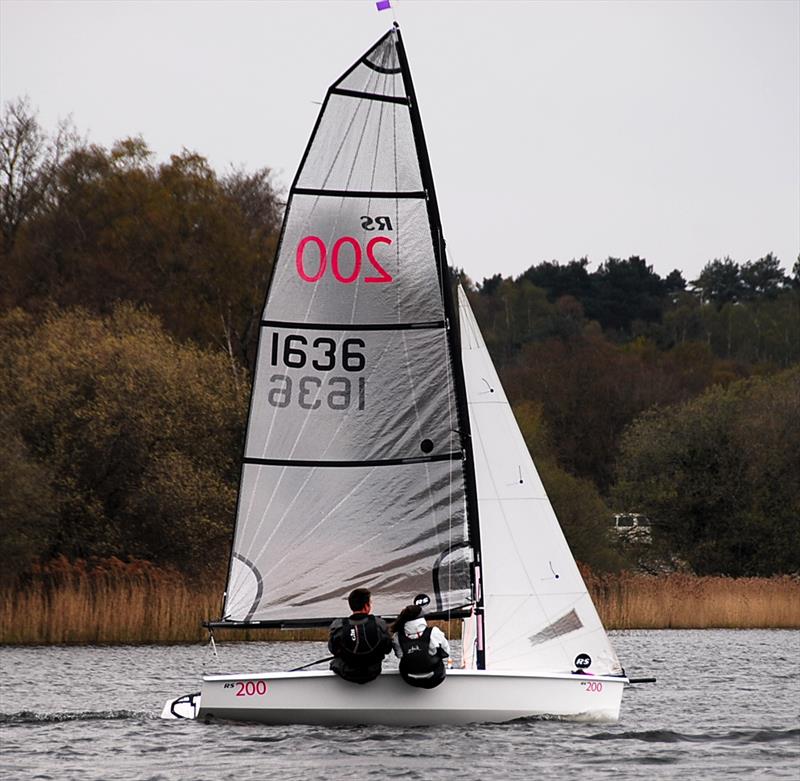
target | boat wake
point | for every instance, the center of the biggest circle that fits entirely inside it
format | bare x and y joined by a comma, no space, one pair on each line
734,736
31,717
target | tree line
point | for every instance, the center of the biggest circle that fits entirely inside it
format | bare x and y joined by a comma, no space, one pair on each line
649,342
87,226
130,295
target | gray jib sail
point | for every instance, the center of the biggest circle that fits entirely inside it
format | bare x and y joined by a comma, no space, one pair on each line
353,472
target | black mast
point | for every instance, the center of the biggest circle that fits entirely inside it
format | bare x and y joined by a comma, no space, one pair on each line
453,336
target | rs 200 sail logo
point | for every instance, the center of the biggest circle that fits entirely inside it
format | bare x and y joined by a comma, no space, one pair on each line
345,260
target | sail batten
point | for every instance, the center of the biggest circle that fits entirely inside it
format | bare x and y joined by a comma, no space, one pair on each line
380,68
358,193
345,464
349,93
434,324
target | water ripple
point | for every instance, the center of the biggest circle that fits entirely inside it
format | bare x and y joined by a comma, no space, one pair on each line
91,713
30,717
669,736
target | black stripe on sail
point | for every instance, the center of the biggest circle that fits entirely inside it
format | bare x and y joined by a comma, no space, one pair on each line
351,93
433,324
359,193
346,464
380,68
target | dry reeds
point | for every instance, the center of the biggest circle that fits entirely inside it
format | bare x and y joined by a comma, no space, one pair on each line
111,601
680,601
108,601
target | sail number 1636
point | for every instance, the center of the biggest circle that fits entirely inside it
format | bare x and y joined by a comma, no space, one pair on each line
294,353
322,354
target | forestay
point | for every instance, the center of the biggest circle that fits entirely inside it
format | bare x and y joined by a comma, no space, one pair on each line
538,614
353,469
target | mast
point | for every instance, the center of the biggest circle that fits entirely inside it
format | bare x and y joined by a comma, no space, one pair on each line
437,238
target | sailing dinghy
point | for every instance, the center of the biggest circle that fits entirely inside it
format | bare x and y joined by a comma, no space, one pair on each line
382,452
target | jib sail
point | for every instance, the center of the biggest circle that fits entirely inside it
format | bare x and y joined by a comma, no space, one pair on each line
539,615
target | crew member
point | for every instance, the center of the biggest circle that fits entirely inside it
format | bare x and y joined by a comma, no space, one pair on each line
359,643
422,649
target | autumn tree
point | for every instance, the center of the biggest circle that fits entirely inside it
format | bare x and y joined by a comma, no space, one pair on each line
194,247
29,161
27,504
591,389
132,438
718,475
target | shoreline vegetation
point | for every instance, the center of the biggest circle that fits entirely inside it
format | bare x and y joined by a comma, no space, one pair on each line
131,302
112,602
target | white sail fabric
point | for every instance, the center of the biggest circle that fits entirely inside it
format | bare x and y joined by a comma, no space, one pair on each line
353,472
538,614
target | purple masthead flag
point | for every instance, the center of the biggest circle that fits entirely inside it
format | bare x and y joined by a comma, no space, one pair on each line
383,5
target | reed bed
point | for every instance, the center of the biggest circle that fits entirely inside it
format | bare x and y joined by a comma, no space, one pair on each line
111,601
108,601
680,601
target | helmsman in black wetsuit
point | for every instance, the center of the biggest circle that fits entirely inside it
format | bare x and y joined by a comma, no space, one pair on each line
359,642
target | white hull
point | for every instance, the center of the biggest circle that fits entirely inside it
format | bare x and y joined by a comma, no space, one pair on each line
466,696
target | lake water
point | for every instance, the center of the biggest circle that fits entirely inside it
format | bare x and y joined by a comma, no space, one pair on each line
726,705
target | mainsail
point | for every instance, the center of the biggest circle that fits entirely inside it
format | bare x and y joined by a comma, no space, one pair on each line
354,472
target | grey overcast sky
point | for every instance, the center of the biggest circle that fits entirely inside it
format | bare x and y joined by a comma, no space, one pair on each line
669,130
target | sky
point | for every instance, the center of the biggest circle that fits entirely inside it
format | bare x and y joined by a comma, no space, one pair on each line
556,130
